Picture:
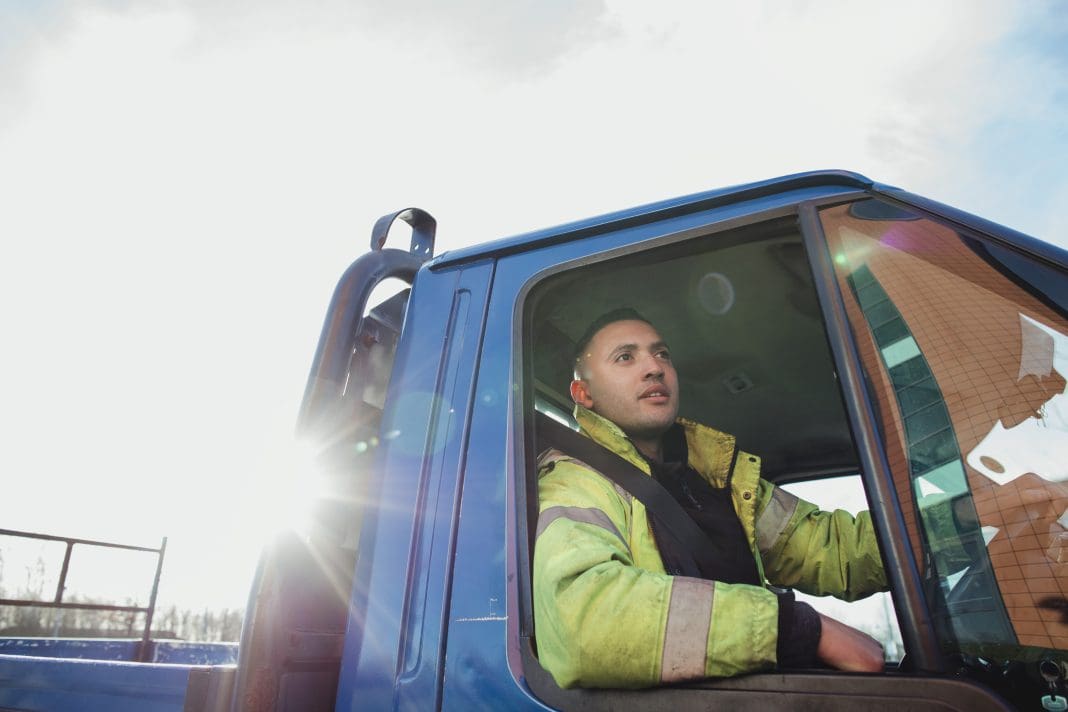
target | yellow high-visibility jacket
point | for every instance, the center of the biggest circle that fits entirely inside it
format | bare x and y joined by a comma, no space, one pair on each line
607,615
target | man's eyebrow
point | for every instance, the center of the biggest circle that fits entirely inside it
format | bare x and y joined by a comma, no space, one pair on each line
656,345
622,347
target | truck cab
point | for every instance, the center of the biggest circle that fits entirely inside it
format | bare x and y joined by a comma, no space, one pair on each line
852,334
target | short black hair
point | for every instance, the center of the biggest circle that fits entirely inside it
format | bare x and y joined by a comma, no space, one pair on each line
618,314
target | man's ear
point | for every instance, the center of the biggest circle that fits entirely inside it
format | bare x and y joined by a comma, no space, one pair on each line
580,393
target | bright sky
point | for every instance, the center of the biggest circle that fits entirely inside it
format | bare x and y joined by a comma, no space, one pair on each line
182,183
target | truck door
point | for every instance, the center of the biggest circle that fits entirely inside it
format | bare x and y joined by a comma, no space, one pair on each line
764,301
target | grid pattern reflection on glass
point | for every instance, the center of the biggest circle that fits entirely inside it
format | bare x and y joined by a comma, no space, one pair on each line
955,543
971,340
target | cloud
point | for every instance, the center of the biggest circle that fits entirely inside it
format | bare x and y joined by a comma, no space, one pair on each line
511,39
507,41
184,182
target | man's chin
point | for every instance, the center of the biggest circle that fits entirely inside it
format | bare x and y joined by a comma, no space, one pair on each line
660,420
651,430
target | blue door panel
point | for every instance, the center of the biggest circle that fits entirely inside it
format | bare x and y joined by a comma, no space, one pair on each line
393,646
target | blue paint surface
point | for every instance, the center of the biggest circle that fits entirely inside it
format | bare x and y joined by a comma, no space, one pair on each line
166,651
58,685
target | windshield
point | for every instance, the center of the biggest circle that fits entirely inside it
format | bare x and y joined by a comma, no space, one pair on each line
965,346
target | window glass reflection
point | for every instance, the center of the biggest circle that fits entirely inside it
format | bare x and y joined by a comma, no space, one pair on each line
966,348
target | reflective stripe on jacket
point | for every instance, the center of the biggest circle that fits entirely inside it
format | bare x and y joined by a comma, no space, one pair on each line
607,615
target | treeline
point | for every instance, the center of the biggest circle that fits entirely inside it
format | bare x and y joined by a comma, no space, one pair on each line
207,625
170,622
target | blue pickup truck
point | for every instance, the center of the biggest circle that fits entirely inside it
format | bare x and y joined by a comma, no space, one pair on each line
855,335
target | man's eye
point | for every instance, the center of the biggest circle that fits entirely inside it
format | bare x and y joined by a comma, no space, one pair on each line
624,357
664,355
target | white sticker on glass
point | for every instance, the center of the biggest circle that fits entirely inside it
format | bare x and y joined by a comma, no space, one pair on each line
1040,443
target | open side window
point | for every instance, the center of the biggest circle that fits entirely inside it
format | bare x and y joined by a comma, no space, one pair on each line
740,314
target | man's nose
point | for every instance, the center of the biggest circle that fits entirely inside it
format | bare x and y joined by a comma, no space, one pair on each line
653,367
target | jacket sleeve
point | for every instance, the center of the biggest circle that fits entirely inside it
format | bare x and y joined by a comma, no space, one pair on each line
601,621
821,553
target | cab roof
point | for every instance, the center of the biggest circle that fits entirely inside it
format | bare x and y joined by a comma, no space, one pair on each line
807,185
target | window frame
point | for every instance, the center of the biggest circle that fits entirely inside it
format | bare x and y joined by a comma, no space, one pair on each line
523,443
903,573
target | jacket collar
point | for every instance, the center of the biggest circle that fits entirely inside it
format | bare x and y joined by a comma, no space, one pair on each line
710,451
609,435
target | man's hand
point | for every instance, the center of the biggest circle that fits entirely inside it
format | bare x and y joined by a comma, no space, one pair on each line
848,649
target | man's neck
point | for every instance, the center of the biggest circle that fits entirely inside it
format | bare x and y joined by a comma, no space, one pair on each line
652,449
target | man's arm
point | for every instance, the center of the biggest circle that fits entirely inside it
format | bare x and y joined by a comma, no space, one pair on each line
807,637
817,552
847,648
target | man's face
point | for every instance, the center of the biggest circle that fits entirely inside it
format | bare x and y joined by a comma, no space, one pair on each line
626,376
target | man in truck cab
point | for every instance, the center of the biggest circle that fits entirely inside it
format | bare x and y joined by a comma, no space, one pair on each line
612,608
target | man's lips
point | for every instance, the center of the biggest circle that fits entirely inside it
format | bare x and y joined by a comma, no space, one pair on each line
655,393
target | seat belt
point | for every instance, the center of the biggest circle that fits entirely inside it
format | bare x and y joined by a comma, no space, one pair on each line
645,488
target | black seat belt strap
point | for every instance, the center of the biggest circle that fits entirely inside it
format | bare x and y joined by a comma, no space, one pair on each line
646,489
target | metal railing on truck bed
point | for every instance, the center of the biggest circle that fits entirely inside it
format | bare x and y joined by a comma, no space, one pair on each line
144,648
